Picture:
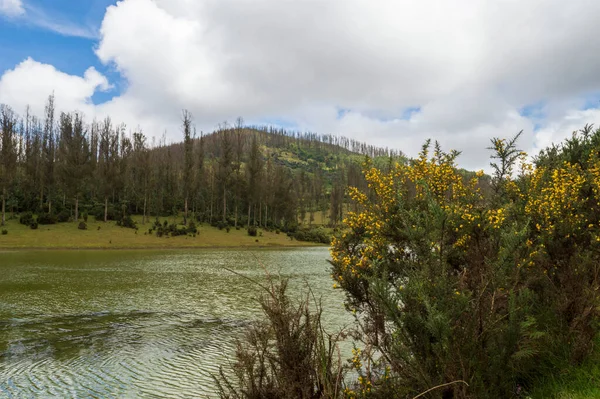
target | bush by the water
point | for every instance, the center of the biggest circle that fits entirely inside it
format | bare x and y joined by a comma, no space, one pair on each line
288,355
252,231
463,286
46,219
173,230
312,234
98,212
26,218
63,216
127,221
453,284
82,226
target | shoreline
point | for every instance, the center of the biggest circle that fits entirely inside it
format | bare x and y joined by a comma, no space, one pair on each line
162,248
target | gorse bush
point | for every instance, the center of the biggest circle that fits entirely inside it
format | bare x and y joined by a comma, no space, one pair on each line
478,294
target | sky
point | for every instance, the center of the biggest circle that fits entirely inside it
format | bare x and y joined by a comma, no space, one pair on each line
389,72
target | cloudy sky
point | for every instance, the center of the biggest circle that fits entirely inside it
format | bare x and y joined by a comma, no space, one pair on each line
389,72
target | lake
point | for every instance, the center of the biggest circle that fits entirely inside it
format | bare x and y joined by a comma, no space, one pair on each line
137,324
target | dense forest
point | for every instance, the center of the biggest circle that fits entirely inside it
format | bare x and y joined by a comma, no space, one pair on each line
61,167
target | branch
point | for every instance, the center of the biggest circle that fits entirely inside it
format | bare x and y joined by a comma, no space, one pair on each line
440,386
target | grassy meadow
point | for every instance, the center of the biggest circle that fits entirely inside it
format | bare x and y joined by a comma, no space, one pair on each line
100,235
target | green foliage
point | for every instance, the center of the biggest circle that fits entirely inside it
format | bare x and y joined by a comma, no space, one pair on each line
98,212
33,225
312,234
47,218
487,294
287,356
26,218
63,216
252,231
191,228
82,226
127,221
84,216
4,232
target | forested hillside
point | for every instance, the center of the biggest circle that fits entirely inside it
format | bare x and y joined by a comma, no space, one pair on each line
62,166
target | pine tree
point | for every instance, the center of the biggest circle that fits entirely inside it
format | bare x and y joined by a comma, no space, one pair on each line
188,146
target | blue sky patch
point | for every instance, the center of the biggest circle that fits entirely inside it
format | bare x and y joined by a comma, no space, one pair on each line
61,33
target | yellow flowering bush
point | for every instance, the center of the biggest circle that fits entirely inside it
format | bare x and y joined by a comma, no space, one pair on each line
471,283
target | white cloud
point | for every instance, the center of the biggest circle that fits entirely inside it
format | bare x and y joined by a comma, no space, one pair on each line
30,83
11,8
469,65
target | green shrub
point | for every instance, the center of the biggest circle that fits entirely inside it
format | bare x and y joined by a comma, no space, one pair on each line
311,234
4,232
47,218
63,216
98,212
33,225
453,285
82,226
287,355
84,216
191,228
127,221
252,231
26,218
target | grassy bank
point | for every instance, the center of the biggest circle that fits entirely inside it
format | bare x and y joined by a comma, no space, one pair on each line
110,236
581,382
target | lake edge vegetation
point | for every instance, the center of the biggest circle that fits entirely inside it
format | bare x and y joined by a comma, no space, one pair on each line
463,292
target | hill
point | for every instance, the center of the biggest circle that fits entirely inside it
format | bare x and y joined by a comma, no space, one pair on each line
62,167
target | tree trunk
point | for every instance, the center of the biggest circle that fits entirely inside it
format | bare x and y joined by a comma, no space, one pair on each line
260,214
144,217
42,199
50,206
105,208
236,214
76,208
3,206
224,205
249,206
186,209
254,214
266,215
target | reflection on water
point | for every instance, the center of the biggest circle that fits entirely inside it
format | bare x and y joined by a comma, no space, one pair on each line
111,324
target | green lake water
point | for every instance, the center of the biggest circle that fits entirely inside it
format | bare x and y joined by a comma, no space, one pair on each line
136,324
